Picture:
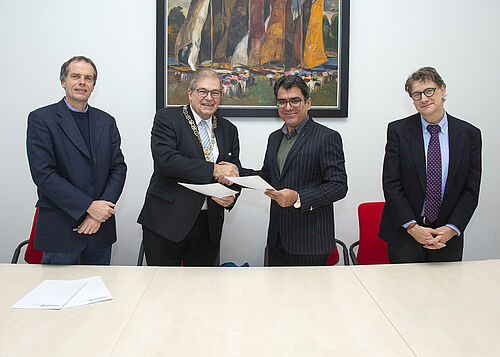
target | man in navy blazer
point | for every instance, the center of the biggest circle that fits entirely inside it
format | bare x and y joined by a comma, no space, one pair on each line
77,165
190,144
304,162
431,177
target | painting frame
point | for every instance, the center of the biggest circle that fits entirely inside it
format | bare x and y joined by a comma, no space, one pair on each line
338,111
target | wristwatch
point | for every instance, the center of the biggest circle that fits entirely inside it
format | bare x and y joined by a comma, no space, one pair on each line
297,203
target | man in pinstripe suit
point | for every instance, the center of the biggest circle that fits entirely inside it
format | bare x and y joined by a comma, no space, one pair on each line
304,162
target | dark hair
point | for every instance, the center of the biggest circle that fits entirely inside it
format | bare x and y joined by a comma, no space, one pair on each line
203,73
64,68
423,74
289,81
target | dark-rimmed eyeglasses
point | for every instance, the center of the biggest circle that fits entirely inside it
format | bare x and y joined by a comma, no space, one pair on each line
294,102
428,92
202,92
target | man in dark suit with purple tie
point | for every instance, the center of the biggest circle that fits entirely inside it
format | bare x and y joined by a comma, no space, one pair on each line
304,162
431,177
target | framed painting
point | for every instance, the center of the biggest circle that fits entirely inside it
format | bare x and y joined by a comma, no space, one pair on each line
251,43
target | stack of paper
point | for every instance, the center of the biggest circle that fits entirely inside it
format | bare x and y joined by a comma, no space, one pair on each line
61,294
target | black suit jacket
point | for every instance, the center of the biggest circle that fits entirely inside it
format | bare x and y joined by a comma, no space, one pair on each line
170,209
69,177
315,169
404,177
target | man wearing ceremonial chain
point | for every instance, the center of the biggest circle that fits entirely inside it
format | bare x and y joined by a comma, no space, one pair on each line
189,144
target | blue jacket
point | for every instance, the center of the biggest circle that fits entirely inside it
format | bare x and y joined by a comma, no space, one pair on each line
69,177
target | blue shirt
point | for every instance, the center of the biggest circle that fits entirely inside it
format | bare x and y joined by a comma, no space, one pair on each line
73,109
444,144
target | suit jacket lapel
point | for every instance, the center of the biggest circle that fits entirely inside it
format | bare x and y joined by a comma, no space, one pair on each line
221,143
68,125
416,143
196,141
274,143
96,128
304,134
456,142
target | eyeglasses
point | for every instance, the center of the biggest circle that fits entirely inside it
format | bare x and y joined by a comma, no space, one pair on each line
294,102
204,92
429,92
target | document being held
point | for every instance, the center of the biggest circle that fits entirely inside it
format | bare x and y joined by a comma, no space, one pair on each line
253,182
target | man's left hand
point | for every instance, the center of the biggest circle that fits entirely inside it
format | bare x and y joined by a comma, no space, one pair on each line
445,233
284,197
89,225
224,201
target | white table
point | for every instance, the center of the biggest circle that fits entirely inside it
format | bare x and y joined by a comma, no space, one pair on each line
440,309
388,310
91,330
258,312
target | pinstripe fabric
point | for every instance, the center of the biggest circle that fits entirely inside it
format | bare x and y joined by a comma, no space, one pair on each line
315,168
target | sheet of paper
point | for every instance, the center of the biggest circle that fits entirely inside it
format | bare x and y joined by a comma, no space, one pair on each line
61,294
211,189
94,291
253,182
50,295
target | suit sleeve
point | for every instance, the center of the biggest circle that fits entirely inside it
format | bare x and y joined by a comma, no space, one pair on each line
117,170
334,177
43,166
235,159
168,160
400,209
467,203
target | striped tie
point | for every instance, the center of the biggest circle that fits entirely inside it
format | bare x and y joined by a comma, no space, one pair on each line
205,138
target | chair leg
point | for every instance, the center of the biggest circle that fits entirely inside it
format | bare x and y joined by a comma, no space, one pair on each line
140,258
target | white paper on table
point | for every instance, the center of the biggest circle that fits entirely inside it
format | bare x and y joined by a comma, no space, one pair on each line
211,189
253,182
94,291
50,295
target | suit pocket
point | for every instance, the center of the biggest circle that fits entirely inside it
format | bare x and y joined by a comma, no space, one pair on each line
165,195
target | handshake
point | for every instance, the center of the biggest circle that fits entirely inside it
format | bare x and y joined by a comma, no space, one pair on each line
223,169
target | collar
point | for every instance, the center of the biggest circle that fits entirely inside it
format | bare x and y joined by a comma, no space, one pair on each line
295,131
443,123
73,109
198,119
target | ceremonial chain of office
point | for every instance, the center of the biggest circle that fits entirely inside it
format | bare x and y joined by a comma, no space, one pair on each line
194,127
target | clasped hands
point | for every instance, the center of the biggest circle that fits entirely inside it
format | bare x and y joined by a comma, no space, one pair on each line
432,238
98,212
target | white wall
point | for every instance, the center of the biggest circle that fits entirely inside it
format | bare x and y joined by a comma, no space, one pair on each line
389,40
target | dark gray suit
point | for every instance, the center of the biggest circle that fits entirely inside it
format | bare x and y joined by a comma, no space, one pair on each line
69,177
315,169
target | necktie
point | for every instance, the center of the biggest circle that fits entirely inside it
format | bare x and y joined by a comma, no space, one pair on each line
434,175
205,140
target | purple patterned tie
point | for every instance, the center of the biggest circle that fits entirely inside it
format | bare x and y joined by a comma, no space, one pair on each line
434,174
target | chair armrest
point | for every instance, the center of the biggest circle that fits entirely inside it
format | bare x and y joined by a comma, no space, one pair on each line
15,256
344,251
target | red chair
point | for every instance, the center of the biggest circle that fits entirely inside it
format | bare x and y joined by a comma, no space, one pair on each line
31,256
371,249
